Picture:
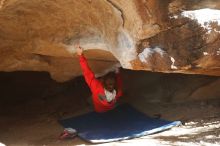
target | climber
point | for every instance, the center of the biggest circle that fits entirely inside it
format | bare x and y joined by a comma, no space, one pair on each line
105,92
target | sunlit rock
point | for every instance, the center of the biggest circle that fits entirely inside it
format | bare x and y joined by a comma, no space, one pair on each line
40,36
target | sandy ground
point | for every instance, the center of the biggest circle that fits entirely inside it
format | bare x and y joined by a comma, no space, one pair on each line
35,122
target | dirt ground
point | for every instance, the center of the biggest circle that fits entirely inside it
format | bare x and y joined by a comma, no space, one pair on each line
35,122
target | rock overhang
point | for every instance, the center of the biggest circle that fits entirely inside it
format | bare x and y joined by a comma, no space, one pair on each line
140,35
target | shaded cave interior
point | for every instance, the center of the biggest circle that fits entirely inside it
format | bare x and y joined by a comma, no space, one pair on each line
35,93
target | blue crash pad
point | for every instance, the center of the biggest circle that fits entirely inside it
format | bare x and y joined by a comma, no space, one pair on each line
123,122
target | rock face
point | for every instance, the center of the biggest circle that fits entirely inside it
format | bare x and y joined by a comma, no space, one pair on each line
158,87
157,35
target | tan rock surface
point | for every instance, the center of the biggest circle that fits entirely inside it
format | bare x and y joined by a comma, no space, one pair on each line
40,35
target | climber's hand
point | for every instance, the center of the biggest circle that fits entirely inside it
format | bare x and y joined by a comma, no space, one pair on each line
79,50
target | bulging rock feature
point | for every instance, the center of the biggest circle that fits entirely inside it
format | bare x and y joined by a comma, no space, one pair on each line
165,36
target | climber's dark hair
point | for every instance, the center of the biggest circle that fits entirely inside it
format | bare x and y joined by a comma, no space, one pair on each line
110,75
